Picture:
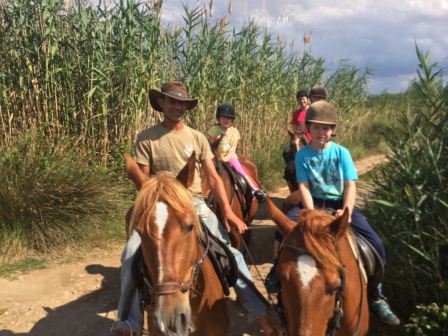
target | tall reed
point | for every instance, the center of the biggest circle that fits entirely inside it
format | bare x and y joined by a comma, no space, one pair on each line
409,203
85,71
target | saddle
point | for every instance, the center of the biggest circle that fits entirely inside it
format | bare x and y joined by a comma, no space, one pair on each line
242,188
370,258
220,255
222,259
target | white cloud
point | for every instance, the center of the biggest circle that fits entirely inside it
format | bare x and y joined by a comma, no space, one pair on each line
380,34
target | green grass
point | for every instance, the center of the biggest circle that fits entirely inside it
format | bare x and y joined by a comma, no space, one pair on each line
29,264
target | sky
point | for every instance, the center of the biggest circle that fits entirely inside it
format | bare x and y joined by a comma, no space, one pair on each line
379,34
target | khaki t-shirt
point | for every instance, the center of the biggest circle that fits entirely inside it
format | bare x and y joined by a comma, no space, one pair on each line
166,150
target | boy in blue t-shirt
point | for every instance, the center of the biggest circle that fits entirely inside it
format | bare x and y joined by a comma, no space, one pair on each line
326,176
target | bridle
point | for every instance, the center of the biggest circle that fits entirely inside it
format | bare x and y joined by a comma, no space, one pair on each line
168,288
334,323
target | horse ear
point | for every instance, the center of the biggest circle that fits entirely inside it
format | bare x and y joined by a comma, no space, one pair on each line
186,175
134,172
339,226
284,224
215,143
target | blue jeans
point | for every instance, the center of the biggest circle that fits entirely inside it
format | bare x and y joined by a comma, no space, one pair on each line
248,299
358,223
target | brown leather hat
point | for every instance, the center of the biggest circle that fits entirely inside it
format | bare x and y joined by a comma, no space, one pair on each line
174,90
321,112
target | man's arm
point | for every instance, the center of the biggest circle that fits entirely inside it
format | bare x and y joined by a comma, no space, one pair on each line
219,192
305,195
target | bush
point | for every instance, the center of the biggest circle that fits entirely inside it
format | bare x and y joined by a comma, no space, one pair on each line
54,194
430,320
410,201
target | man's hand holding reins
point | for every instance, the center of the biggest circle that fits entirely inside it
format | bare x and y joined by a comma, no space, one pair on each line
234,220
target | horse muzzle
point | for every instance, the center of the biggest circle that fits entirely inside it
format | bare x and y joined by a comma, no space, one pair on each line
172,318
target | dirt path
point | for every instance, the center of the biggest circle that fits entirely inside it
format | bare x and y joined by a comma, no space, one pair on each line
80,298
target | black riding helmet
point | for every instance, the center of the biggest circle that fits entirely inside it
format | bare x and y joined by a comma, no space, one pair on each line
302,93
225,110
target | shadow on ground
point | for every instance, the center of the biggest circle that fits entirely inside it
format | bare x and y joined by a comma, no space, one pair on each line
87,315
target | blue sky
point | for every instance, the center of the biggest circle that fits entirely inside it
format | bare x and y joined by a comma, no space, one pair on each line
380,34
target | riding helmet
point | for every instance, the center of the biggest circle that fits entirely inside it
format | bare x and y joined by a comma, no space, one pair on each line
318,91
301,93
226,110
321,112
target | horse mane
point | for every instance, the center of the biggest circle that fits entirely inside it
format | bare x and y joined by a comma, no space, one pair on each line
318,239
164,187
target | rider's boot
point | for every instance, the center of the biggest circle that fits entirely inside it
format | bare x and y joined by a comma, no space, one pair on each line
121,332
259,195
380,307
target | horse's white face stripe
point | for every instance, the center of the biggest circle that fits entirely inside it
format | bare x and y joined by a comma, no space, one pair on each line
161,215
306,267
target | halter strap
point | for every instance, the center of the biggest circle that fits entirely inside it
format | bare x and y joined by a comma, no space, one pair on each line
168,288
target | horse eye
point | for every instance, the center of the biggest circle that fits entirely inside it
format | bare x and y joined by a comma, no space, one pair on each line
189,228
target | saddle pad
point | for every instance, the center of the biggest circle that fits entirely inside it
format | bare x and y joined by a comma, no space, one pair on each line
223,261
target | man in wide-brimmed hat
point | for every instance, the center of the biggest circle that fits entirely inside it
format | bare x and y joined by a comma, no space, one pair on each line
167,146
173,90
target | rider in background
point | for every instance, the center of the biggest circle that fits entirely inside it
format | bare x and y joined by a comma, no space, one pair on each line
290,174
225,114
302,100
326,176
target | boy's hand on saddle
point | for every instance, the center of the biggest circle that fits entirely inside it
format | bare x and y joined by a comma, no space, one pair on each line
340,213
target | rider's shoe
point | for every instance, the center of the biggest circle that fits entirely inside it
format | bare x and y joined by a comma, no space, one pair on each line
381,309
259,195
271,282
121,332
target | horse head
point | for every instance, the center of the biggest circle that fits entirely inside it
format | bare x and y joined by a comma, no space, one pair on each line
168,224
296,142
312,271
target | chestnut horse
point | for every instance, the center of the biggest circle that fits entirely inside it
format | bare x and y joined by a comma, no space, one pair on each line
237,207
322,289
186,293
